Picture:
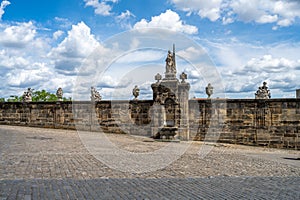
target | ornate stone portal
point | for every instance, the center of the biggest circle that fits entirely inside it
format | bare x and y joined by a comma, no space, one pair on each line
171,103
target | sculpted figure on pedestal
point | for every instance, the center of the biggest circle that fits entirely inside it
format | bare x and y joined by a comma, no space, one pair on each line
27,96
263,92
209,90
59,94
136,92
95,95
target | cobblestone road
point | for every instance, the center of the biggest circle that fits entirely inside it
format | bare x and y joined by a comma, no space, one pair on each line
53,164
189,188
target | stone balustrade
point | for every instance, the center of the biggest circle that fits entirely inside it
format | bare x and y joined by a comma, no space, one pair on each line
268,122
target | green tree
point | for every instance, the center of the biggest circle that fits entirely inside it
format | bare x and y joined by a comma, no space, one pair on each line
67,99
43,96
14,98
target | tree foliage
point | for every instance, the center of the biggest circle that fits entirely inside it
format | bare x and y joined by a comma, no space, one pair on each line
43,96
38,95
14,98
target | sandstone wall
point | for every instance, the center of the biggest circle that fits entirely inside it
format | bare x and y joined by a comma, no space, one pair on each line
273,122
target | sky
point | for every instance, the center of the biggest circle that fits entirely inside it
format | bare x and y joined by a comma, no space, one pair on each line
114,45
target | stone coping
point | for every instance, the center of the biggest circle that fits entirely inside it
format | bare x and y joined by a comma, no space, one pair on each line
151,101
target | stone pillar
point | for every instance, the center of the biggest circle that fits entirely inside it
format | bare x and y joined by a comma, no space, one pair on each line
59,115
158,118
298,93
183,94
154,87
94,122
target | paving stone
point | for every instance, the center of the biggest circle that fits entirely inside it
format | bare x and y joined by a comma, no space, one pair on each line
62,168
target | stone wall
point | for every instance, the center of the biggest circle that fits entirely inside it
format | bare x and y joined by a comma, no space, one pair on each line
111,116
271,122
38,114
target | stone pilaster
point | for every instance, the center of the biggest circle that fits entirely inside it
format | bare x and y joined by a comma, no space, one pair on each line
183,94
298,94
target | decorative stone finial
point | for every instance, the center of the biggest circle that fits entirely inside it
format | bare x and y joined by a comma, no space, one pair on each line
59,94
263,92
95,95
209,90
183,77
136,92
158,77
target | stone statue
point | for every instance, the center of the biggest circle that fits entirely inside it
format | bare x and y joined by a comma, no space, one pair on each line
170,63
27,95
263,92
95,95
136,92
59,94
209,90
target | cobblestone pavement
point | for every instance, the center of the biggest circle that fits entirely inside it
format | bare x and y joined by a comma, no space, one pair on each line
164,188
53,164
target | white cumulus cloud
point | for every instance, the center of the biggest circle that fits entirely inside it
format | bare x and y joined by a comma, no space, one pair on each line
12,61
205,8
282,13
267,19
280,73
124,18
270,65
244,66
27,77
2,7
101,7
191,53
18,35
57,34
125,15
78,44
169,20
